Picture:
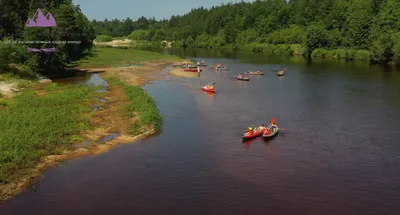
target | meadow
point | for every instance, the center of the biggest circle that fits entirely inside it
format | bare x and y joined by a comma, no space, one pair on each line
36,125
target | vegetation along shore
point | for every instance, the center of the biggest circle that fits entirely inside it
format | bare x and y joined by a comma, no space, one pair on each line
344,29
44,123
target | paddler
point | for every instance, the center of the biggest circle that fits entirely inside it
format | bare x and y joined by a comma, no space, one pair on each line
202,62
262,127
249,131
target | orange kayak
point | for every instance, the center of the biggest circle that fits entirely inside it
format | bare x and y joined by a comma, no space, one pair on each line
247,136
208,90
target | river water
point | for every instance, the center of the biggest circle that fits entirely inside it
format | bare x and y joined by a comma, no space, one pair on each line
339,155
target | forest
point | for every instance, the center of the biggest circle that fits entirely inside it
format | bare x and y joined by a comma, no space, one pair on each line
15,37
348,29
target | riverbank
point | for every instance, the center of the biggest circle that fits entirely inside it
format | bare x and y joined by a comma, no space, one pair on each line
70,121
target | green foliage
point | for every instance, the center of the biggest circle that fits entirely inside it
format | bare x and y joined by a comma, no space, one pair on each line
140,35
114,56
315,24
316,37
104,38
293,35
347,54
31,133
142,103
72,25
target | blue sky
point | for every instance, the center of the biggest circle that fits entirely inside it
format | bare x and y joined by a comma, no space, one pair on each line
110,9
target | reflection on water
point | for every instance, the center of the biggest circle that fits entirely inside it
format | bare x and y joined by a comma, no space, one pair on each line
211,96
84,79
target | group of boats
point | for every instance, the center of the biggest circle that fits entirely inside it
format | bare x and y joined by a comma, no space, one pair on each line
266,132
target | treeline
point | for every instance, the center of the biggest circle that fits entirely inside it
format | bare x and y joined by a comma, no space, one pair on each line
72,25
350,29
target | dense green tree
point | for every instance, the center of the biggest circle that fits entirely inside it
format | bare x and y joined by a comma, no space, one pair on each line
316,24
316,37
72,25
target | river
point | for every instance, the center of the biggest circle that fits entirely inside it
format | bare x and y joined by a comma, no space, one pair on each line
340,153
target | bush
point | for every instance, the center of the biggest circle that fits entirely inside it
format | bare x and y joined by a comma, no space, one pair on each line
104,38
347,54
292,35
16,59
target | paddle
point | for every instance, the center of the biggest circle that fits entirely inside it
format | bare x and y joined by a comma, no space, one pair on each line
285,130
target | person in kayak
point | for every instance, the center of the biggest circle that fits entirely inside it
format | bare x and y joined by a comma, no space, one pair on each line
202,62
282,72
262,127
249,131
273,125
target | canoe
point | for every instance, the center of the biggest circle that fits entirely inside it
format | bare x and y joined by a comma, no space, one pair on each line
243,79
271,134
251,136
191,70
208,90
280,74
190,66
254,73
223,68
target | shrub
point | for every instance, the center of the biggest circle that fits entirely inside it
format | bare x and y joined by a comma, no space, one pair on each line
104,38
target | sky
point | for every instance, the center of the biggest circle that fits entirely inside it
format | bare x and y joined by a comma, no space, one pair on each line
160,9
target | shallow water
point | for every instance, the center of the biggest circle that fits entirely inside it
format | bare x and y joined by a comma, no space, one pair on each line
339,155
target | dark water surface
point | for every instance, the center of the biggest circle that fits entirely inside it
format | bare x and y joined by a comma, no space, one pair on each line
340,155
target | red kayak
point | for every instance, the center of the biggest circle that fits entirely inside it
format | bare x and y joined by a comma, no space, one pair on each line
192,70
247,136
208,90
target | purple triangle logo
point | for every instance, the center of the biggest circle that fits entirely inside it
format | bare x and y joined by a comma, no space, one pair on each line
40,20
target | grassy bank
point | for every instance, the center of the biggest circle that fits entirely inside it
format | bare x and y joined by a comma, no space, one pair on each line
50,121
140,105
33,125
106,57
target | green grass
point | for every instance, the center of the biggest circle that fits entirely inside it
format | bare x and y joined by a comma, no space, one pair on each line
142,103
105,57
33,126
20,83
